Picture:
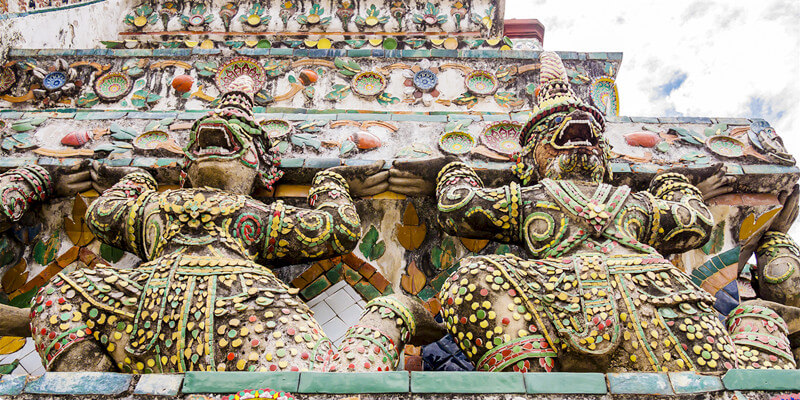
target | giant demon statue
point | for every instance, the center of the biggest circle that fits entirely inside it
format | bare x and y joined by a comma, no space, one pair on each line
594,292
205,297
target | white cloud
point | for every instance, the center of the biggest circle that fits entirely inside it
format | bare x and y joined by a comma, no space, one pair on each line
734,54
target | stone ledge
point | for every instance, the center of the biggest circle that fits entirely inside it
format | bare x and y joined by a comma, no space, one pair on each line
588,385
318,53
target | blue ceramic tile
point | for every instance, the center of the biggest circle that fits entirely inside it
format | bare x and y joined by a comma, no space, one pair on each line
690,382
159,384
317,53
639,383
76,383
12,385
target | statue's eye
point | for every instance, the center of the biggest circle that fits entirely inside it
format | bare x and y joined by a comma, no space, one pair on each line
559,119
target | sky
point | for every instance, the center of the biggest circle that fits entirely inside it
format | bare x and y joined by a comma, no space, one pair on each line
732,58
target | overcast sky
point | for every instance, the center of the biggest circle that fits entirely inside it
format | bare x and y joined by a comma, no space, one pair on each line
732,58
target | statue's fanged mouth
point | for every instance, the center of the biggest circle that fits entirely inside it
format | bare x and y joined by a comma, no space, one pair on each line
575,133
215,139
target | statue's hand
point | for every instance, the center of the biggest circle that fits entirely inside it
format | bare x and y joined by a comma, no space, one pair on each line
711,180
365,180
788,214
105,176
71,182
416,177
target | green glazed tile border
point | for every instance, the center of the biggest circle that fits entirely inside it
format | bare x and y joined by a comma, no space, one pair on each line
467,382
231,382
566,382
363,382
762,379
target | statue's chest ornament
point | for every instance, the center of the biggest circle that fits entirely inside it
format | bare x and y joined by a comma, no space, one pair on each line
597,211
195,207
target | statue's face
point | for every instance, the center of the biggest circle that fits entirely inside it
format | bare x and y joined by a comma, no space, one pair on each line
570,145
221,153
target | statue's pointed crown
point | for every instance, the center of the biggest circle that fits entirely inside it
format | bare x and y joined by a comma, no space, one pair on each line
239,94
554,94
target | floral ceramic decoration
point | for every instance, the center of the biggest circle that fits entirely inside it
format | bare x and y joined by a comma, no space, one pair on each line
420,84
197,16
260,394
151,140
429,16
7,79
142,16
56,82
345,12
113,86
458,11
255,16
276,128
239,66
725,146
314,16
484,19
502,137
168,10
603,93
227,12
368,83
481,83
372,19
398,10
456,142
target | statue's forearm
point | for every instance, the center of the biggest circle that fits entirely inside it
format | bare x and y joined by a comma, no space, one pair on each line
19,188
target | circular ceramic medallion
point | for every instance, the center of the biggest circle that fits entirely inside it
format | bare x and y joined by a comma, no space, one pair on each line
425,80
276,128
603,93
196,20
368,83
725,146
7,79
113,86
237,67
54,80
151,140
502,137
481,83
456,142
